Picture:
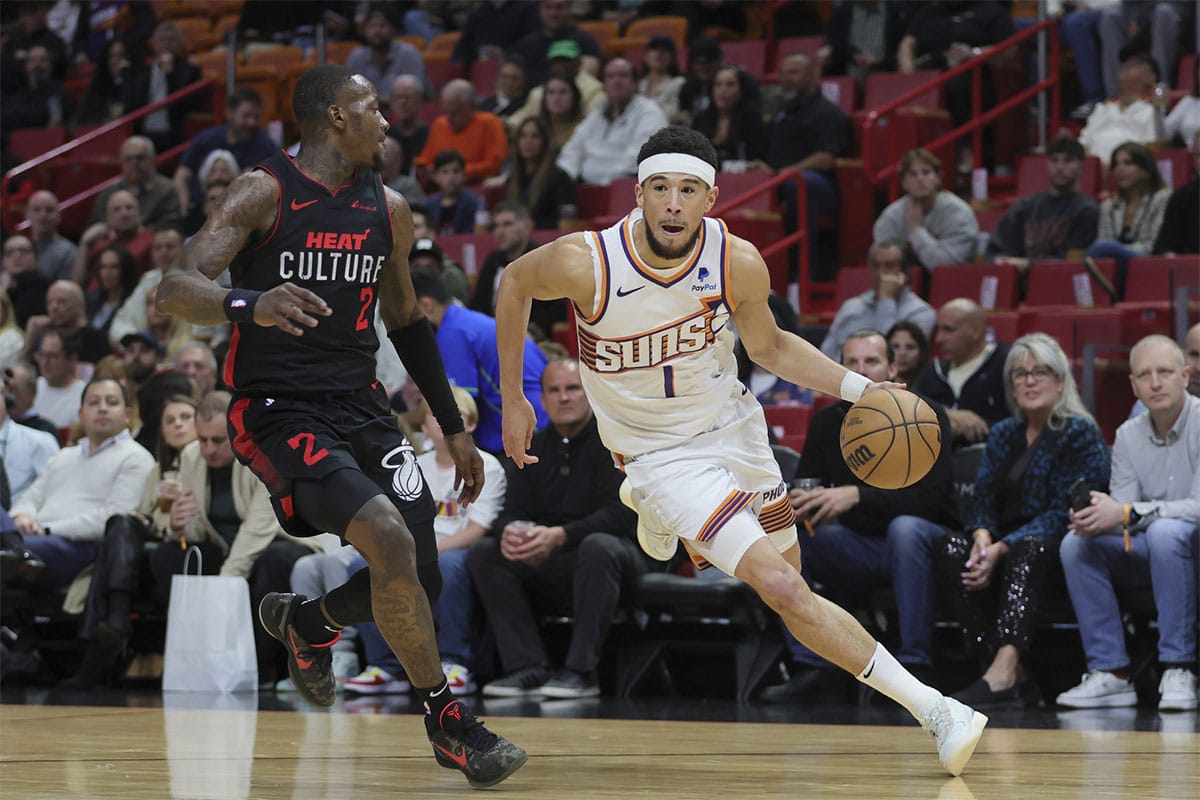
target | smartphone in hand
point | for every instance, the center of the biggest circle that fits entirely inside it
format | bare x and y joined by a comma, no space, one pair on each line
1080,494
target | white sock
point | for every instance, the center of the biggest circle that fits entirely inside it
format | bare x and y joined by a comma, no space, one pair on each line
888,676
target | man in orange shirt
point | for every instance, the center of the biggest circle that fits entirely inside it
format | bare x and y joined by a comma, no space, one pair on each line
478,135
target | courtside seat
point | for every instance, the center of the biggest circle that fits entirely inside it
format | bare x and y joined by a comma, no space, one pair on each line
851,281
788,420
698,616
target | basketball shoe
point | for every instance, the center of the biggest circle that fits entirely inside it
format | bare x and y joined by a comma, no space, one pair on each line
311,666
656,541
461,742
956,729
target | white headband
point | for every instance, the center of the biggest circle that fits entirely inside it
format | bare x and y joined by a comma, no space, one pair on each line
677,162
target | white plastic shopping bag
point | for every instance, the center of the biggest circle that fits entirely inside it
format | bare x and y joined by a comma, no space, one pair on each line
210,644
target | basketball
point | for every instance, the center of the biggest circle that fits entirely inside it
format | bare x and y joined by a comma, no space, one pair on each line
890,438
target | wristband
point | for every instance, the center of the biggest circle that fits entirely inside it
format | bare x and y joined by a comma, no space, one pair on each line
239,304
1128,512
853,386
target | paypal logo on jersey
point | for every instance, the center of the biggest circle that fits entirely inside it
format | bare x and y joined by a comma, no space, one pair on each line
703,285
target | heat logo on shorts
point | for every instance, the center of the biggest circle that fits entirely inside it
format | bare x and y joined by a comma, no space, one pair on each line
407,482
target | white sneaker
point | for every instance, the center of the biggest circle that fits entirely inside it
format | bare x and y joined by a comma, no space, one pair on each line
1178,690
374,680
459,679
957,729
1099,689
345,666
656,541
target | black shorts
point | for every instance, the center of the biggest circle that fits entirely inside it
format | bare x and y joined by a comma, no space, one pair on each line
332,454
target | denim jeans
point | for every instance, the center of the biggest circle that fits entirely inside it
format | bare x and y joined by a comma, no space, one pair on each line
1079,31
452,614
845,561
1121,253
1163,559
64,558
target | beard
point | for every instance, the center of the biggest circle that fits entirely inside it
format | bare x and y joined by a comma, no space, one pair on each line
663,250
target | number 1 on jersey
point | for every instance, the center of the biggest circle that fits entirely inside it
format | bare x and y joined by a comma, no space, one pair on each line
668,381
366,295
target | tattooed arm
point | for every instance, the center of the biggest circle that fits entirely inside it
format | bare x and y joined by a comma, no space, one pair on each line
397,300
188,291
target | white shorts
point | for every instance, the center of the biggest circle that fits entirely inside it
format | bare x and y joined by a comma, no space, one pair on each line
719,492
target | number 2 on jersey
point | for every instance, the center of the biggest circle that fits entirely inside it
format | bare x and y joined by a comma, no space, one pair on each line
366,295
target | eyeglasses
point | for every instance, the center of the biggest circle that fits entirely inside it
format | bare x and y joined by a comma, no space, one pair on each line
1037,373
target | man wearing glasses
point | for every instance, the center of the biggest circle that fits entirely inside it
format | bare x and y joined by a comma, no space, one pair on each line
59,391
156,196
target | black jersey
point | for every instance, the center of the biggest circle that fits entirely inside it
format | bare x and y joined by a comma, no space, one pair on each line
335,243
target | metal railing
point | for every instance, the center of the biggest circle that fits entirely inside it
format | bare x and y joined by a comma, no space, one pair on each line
799,238
122,124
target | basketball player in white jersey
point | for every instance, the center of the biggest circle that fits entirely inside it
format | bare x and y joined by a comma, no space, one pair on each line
655,295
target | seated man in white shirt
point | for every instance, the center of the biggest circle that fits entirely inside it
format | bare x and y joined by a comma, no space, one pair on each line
24,452
62,515
1130,117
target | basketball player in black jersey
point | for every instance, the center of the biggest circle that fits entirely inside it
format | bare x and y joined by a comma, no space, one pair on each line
313,244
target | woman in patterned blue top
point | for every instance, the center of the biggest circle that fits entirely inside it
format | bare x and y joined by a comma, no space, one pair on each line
996,570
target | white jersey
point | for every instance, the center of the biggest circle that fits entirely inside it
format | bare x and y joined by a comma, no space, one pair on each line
655,349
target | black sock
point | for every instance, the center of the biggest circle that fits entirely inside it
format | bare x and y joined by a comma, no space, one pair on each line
312,625
436,699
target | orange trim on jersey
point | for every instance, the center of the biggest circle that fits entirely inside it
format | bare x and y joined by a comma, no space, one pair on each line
648,272
700,562
588,340
602,253
729,507
778,516
725,263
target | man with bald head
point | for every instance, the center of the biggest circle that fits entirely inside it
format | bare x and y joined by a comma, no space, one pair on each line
478,135
968,377
122,225
1191,352
196,360
157,199
54,251
404,119
65,312
1142,535
605,145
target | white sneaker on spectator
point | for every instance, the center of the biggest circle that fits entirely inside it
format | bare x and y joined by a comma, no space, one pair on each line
1099,689
459,679
1178,690
374,680
345,666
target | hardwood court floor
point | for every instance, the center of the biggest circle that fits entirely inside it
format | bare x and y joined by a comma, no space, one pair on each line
87,753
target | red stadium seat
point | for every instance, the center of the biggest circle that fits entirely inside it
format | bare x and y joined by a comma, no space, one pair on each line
1053,283
1002,326
808,45
842,91
982,283
788,420
750,55
1150,278
884,87
1175,165
1032,178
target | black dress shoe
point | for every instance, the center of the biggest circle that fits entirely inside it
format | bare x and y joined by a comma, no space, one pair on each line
20,565
981,697
808,683
97,668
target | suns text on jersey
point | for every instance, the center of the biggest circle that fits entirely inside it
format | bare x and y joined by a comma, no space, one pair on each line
332,257
650,349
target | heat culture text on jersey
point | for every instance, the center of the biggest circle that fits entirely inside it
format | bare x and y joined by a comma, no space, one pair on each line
332,256
651,349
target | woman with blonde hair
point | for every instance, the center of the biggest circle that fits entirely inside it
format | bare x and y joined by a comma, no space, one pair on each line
996,570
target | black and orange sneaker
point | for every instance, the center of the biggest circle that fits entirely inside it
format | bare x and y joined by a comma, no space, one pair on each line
310,666
461,742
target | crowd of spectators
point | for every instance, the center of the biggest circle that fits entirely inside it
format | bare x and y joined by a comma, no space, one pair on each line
134,399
